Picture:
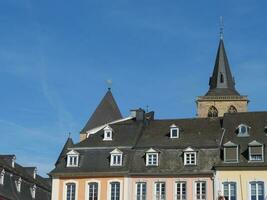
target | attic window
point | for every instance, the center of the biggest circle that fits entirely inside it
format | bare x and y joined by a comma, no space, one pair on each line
255,151
152,157
18,184
2,177
190,156
243,130
232,109
33,191
107,133
230,152
72,159
116,157
174,131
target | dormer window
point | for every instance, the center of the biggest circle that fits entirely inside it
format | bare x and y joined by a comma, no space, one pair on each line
255,151
2,177
107,133
243,130
72,159
152,157
190,156
33,191
18,184
116,157
230,152
174,131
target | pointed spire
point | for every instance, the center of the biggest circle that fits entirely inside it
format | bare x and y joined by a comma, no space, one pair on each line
68,144
222,82
107,111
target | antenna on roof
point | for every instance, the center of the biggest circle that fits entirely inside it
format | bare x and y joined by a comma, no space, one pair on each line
109,82
147,108
221,27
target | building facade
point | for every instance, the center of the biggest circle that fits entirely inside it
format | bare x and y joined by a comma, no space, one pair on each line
220,154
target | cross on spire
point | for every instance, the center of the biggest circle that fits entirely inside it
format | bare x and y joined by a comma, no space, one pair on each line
221,27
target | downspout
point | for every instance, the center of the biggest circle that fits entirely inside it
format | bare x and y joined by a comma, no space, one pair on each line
214,184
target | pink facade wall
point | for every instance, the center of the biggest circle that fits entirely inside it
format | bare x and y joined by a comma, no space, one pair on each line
170,186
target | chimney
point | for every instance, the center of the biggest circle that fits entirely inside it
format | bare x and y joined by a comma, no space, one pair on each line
138,114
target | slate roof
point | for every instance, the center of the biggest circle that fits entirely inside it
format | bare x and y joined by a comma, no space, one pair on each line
226,85
256,121
107,111
8,189
134,138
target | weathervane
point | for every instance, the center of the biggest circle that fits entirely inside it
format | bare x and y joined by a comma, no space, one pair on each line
221,27
109,82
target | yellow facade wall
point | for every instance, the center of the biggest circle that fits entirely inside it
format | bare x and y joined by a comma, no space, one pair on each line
242,179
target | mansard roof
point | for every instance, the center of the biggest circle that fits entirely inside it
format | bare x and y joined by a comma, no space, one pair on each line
107,111
222,82
8,189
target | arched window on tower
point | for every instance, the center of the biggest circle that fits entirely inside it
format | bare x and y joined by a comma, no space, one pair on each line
213,112
232,109
221,78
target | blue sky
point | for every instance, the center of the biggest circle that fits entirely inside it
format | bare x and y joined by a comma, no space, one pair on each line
55,58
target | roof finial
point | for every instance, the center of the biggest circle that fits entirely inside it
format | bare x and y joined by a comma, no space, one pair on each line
69,134
221,27
109,82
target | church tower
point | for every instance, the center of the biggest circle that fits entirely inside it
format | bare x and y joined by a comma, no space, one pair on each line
222,97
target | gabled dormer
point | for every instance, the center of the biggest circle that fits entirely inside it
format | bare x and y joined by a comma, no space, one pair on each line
152,157
174,131
108,133
72,158
243,130
18,184
116,157
190,156
2,176
230,152
256,151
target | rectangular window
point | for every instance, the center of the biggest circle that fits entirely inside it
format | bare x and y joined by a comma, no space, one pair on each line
200,190
72,161
71,189
231,154
180,190
256,190
93,191
190,158
152,159
229,190
114,191
116,159
160,191
256,153
140,191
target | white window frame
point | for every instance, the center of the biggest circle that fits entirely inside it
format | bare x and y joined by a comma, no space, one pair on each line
161,197
190,155
142,185
257,187
181,190
262,153
18,184
116,159
2,177
239,128
108,132
109,188
65,189
153,155
201,182
87,188
33,191
229,188
174,128
71,157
